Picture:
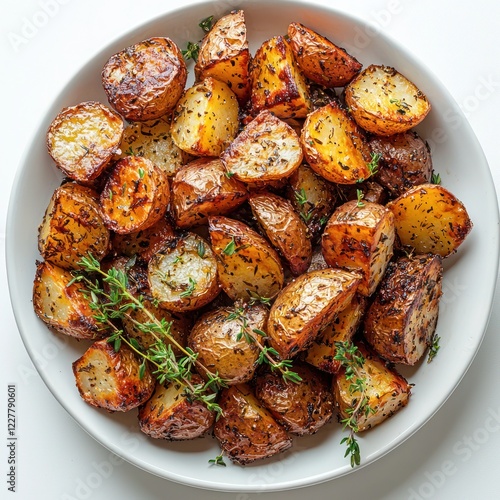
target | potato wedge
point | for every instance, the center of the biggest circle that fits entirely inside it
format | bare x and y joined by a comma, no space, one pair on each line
305,306
224,55
62,306
266,150
387,391
301,408
384,102
247,264
170,415
430,219
334,146
202,188
83,138
284,228
402,318
73,227
247,431
135,196
205,120
145,81
183,277
321,60
111,379
360,237
278,85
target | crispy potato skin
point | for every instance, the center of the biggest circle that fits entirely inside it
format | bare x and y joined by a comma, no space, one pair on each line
321,60
246,430
145,81
110,380
72,227
302,408
402,318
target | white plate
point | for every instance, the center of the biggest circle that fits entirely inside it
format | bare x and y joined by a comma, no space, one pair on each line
468,283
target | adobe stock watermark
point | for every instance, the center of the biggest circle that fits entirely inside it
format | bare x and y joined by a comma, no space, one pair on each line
32,24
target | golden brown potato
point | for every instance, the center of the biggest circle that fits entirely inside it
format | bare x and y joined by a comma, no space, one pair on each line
247,431
385,102
202,188
170,414
135,196
266,150
83,138
305,306
205,120
183,276
247,264
278,85
284,228
301,408
430,219
321,60
224,54
145,81
387,391
135,271
63,306
401,321
334,146
360,237
72,227
112,379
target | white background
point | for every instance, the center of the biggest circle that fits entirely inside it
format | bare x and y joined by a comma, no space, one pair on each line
455,456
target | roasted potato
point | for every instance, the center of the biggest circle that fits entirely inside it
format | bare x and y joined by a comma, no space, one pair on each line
112,379
386,391
300,407
224,55
62,305
305,306
170,413
72,227
202,188
284,228
183,276
247,264
278,85
400,322
266,150
145,81
135,196
385,102
334,146
205,120
246,430
321,60
83,138
364,191
360,237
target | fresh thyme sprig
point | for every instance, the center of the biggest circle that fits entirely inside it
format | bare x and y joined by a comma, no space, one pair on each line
301,199
433,348
192,50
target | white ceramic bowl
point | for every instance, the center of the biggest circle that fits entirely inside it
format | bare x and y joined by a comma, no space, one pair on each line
468,283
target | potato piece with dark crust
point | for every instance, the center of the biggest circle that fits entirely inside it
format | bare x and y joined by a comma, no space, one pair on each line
284,228
320,59
360,237
246,430
169,414
145,81
83,138
112,379
387,391
401,321
202,188
305,306
301,408
73,227
135,196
